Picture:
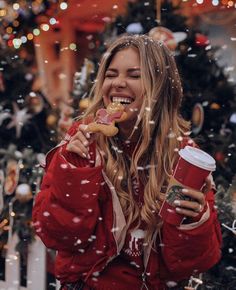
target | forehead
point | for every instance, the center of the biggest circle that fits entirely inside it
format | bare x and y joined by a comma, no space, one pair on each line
127,56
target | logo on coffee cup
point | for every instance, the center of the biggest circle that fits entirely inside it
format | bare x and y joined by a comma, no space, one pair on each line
175,193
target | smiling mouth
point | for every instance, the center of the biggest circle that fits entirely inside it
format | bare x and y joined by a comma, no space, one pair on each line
122,100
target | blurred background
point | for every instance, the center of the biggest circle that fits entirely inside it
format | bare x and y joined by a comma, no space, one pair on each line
49,55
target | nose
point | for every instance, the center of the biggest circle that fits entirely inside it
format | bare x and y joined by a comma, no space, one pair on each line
119,82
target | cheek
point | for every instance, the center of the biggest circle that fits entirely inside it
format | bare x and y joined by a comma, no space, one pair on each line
106,86
139,96
137,89
105,91
104,95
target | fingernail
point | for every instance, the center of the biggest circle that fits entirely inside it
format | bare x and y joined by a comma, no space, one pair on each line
86,143
185,190
177,202
87,135
85,156
178,209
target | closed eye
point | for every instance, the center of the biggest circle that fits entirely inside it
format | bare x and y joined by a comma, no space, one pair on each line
135,76
110,75
134,73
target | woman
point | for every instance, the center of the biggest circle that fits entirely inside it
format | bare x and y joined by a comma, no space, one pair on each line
100,197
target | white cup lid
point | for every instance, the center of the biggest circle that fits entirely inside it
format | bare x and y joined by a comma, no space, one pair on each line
198,158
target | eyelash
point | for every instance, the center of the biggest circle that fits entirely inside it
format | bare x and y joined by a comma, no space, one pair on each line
131,76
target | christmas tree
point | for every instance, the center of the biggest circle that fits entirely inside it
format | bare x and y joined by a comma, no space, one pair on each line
27,129
28,125
20,17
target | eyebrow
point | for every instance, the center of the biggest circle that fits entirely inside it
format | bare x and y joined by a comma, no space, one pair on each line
129,70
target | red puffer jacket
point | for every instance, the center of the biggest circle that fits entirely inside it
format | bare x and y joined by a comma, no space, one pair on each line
77,212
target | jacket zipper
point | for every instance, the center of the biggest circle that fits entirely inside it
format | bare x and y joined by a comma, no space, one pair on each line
144,285
146,258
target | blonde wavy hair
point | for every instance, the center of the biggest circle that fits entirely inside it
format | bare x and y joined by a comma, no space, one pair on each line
162,130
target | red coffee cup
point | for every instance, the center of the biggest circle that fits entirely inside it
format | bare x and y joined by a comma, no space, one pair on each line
191,171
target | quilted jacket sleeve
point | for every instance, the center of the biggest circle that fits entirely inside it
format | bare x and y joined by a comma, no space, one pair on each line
188,250
66,209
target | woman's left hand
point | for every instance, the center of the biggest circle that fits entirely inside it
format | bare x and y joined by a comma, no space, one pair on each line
193,207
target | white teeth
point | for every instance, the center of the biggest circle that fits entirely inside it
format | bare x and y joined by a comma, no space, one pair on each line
122,100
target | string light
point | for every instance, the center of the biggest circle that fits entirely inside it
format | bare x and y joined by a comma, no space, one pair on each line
17,42
16,23
3,12
24,39
44,27
72,46
63,5
36,31
230,3
9,30
215,2
16,6
52,21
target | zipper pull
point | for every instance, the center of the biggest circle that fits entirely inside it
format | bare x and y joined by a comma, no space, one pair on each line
144,285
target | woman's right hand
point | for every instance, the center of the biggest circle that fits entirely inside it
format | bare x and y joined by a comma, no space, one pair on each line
79,143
